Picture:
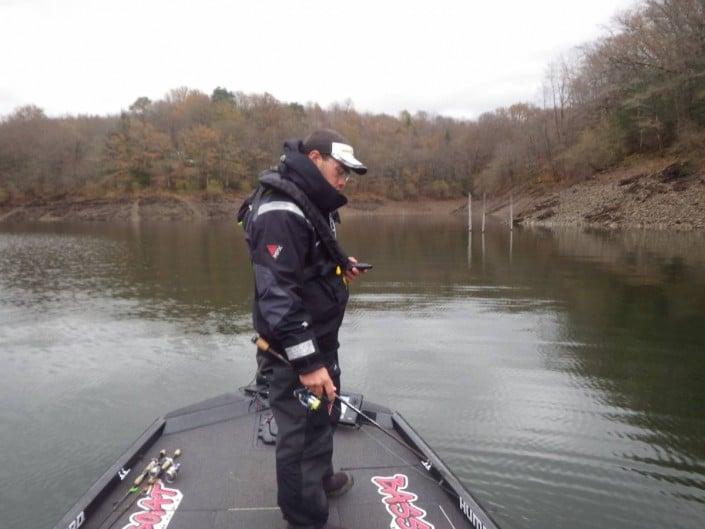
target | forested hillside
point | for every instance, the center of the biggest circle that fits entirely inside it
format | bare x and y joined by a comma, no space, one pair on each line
639,90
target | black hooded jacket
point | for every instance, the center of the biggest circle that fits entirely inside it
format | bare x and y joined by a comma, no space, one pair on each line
300,295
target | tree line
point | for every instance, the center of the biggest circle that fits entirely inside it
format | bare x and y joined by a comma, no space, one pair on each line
638,90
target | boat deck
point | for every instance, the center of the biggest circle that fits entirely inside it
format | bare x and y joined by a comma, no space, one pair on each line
227,477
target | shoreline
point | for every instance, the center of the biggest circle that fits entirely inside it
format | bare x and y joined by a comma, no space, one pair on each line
199,208
659,193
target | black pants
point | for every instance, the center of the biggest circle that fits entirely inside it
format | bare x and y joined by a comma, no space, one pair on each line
304,449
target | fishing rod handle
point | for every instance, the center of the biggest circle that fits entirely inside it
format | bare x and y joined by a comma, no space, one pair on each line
260,342
153,462
263,345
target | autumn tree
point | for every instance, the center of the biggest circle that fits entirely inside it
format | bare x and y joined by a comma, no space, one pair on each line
640,89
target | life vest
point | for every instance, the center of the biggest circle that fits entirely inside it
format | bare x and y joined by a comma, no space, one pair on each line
322,226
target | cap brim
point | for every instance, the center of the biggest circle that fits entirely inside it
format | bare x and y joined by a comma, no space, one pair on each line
344,154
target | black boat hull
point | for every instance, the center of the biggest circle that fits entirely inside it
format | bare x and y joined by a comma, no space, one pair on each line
227,479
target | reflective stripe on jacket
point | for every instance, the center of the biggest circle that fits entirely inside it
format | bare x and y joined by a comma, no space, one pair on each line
300,295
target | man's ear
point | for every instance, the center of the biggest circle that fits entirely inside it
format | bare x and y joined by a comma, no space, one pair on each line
314,156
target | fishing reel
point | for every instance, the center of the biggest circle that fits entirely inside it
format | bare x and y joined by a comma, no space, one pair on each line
169,462
154,469
172,472
163,466
307,399
160,465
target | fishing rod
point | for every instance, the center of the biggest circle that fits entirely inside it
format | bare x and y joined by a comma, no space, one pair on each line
157,466
313,402
154,463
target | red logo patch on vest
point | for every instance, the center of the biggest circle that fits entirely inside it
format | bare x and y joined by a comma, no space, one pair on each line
274,250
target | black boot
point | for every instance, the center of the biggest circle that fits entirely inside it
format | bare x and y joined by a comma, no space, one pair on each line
337,484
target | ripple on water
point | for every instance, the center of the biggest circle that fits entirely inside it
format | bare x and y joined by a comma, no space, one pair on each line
525,385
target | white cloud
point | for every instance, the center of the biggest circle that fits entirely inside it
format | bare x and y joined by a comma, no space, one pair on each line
456,58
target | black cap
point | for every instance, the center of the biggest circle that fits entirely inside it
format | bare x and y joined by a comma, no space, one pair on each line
330,142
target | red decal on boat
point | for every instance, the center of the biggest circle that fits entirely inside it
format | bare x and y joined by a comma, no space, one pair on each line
157,508
400,503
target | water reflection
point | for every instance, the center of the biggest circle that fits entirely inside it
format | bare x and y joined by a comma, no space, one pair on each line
618,313
559,372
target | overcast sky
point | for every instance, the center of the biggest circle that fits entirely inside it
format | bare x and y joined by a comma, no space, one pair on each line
452,58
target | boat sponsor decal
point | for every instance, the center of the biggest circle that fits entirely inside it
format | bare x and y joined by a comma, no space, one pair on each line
399,503
123,472
474,519
77,522
158,508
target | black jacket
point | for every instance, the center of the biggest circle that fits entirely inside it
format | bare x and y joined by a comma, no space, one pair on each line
300,295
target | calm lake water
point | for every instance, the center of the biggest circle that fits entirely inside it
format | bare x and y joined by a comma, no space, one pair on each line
560,374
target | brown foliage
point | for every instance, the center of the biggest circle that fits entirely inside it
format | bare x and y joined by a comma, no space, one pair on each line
641,89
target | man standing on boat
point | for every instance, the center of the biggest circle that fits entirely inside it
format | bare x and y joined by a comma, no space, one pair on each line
301,290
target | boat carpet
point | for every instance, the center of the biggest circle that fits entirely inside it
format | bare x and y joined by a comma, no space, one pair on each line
227,477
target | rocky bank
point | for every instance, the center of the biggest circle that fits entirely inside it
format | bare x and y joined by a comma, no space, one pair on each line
661,194
658,193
